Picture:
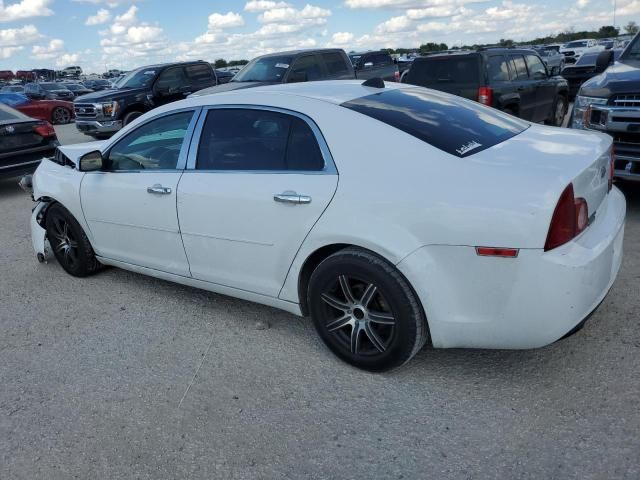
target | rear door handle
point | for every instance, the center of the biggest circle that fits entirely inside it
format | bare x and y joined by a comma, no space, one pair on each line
292,197
158,189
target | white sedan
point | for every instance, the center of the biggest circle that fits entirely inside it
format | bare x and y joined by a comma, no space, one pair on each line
392,215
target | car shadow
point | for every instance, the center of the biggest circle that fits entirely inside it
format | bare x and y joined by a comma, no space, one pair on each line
9,187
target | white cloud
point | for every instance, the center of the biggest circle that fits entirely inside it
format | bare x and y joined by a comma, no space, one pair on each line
142,34
341,38
24,9
128,17
108,3
292,15
18,37
218,21
67,60
261,5
102,16
582,3
51,50
412,4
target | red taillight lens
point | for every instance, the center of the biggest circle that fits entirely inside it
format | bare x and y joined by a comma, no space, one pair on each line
396,75
497,252
570,218
612,167
45,129
485,95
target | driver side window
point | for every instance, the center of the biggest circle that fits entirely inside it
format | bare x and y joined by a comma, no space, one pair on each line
155,145
170,81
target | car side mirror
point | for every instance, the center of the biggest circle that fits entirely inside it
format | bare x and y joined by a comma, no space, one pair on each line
297,76
604,59
554,71
91,162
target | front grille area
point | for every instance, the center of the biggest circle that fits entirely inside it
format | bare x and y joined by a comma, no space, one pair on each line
627,148
85,110
570,53
627,100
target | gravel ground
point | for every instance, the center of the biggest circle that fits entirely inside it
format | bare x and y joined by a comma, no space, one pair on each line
124,376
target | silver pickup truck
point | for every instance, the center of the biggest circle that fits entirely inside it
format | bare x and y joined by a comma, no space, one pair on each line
610,103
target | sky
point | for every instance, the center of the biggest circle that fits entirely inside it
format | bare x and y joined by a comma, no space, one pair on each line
123,34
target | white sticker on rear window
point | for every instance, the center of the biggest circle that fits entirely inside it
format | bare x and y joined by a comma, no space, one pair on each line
472,145
282,65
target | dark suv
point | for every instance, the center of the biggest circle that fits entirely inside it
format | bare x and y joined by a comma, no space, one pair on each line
48,91
375,64
102,113
513,80
290,67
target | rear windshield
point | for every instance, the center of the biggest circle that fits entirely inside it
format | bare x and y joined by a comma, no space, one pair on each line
452,124
440,69
265,69
8,114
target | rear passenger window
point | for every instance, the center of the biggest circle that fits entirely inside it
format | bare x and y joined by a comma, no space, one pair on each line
335,63
520,67
382,60
498,69
244,139
199,73
536,67
308,66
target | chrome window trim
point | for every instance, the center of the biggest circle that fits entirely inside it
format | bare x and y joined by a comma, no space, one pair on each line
184,150
329,164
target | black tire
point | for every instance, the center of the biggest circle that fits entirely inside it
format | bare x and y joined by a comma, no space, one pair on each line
69,243
557,116
60,116
392,312
130,117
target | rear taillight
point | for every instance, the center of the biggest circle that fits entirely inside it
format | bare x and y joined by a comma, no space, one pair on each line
612,157
485,95
45,129
396,76
570,218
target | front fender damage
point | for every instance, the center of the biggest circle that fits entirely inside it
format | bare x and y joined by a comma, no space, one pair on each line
38,234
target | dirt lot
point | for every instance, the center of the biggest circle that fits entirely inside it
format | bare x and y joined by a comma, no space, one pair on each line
124,376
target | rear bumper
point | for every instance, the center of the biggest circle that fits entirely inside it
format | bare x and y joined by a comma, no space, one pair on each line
21,163
95,127
526,302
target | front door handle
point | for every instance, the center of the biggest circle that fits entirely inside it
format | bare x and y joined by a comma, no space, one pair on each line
158,189
292,197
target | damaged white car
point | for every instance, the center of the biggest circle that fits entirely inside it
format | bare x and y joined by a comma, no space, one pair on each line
482,231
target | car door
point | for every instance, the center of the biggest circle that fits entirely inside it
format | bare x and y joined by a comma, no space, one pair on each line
130,206
525,87
170,86
545,88
337,66
257,181
306,68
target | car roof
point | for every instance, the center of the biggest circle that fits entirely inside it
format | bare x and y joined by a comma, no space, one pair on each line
367,52
331,91
307,51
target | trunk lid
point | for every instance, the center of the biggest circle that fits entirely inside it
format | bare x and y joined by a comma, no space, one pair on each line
17,135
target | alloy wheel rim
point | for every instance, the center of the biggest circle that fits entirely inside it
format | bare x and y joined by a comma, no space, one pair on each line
61,115
358,317
65,244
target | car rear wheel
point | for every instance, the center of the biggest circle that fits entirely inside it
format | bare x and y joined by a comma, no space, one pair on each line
60,116
365,311
69,243
559,111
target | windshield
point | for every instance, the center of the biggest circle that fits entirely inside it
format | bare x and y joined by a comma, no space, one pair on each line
578,44
13,99
632,52
137,78
52,86
265,69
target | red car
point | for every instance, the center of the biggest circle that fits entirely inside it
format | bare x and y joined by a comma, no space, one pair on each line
57,112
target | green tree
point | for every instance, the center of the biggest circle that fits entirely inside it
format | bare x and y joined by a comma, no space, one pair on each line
631,28
236,63
608,31
506,42
432,47
220,63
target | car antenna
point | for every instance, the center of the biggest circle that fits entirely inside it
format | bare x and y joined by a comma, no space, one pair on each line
375,82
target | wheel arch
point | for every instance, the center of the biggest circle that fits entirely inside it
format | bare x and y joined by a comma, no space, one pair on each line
318,255
135,107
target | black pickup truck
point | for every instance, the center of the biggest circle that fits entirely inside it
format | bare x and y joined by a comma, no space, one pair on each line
610,103
289,67
103,113
513,80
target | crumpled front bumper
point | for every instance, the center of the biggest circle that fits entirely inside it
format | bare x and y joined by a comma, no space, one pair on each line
38,234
